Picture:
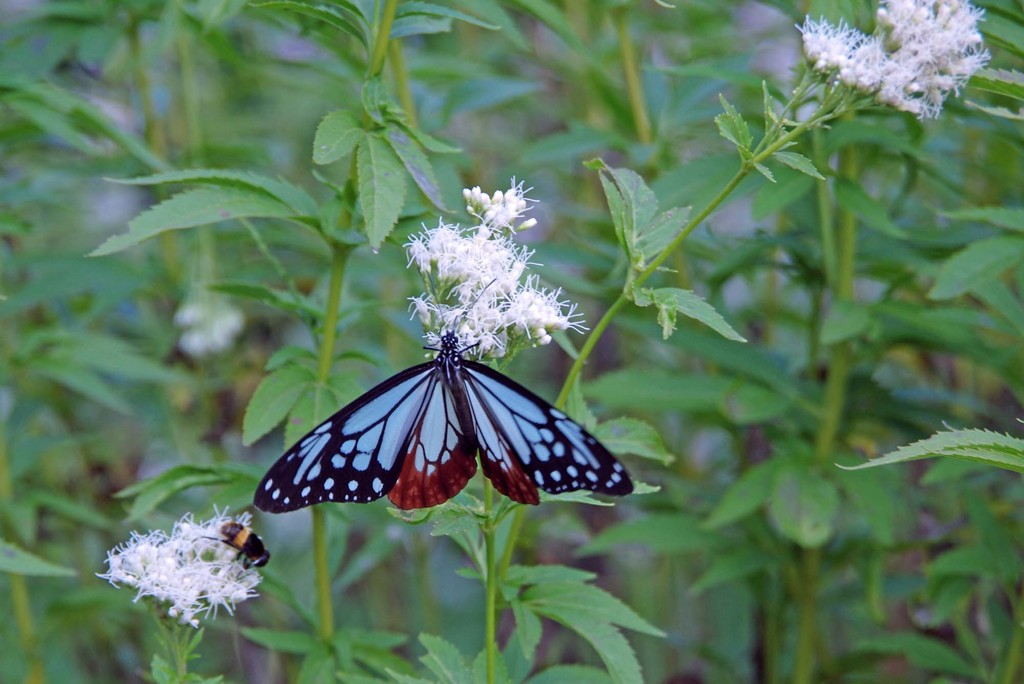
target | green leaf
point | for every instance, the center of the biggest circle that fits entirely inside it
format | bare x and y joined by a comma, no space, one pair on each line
664,533
285,301
584,602
845,321
853,198
733,128
799,162
672,300
417,164
195,208
1003,81
660,391
343,16
151,492
978,446
570,674
275,396
336,136
633,436
523,575
280,640
803,506
731,566
977,263
1011,218
921,651
445,661
282,191
607,640
528,627
20,562
744,496
428,8
381,187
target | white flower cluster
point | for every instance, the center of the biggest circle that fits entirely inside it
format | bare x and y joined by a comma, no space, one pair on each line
211,324
921,50
475,282
192,569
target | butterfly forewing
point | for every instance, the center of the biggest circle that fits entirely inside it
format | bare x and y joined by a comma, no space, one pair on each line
356,454
527,443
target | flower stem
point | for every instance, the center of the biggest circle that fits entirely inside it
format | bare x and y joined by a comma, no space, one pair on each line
401,76
339,255
634,85
491,587
1013,653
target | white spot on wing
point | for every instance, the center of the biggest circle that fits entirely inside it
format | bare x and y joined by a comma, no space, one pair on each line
362,461
352,486
377,485
329,483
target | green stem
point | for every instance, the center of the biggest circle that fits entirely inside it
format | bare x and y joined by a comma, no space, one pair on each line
21,605
189,95
1013,655
837,380
401,77
807,614
383,35
491,571
339,255
634,85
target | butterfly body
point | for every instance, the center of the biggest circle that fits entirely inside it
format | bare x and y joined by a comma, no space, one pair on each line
415,438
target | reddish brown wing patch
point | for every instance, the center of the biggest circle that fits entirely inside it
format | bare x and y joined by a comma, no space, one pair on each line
439,456
422,484
508,477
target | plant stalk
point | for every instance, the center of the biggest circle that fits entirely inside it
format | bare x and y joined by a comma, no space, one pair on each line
339,255
491,587
382,37
631,69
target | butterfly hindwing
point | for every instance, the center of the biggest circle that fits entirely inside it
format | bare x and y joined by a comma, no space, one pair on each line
355,455
440,453
526,443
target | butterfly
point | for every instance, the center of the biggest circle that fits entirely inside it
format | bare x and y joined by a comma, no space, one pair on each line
415,438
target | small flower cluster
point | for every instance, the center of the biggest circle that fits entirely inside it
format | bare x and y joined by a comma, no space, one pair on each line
475,282
211,324
921,50
192,569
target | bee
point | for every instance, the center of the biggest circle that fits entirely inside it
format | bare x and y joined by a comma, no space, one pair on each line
238,536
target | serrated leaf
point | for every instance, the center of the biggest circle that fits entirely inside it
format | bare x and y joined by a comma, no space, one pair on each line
21,562
381,187
528,627
1003,81
744,496
978,446
275,396
417,164
733,128
663,533
336,136
351,22
672,300
803,506
799,162
445,661
584,602
285,301
632,436
195,208
977,263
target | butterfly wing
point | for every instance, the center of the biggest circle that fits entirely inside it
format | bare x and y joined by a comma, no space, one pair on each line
526,443
357,454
